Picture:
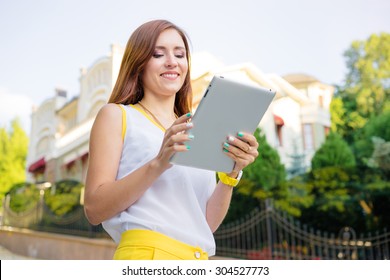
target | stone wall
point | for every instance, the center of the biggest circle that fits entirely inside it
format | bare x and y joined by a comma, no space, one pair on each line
50,246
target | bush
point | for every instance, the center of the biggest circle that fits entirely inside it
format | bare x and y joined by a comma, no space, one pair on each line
23,197
335,152
64,198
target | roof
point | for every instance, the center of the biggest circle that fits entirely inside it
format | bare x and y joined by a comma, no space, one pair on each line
300,78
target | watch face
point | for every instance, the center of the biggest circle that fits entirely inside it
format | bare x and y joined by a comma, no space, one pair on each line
239,175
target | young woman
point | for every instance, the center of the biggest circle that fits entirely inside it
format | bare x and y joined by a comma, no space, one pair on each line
152,209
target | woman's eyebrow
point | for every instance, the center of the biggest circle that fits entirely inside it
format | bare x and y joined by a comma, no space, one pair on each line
176,48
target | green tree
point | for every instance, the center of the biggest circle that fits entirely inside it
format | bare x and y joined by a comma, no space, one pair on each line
334,205
376,128
348,184
334,152
267,170
294,195
381,156
13,153
65,198
258,180
376,196
366,91
23,197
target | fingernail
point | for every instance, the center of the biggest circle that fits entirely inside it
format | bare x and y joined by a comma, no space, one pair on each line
188,147
226,145
231,138
226,151
188,115
189,125
190,136
240,134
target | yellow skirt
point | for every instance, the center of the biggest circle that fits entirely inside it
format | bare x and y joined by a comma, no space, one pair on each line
138,244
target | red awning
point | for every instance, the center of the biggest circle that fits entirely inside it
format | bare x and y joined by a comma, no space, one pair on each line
278,120
85,156
37,165
70,163
73,161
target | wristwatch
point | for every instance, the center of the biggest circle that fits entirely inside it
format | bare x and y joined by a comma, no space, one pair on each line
225,179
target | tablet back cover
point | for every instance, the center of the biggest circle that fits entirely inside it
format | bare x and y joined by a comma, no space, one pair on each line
227,107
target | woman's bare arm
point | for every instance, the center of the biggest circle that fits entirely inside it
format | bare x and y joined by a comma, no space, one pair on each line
104,195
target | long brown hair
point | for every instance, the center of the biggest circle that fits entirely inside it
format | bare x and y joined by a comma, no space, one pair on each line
128,88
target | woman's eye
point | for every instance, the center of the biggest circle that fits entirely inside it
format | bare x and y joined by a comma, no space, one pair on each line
180,55
157,55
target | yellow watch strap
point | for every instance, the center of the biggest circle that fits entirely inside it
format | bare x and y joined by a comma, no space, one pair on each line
225,179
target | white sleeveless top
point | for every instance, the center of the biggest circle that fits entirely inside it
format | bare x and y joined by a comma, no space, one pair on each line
175,204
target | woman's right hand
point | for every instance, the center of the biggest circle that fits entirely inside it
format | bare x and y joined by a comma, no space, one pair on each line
174,141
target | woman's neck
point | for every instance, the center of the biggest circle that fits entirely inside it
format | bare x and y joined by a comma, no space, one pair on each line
161,107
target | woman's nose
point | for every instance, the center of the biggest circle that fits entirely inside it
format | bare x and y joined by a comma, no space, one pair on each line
171,61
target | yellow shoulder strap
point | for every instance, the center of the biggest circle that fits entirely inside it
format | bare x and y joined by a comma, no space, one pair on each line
123,122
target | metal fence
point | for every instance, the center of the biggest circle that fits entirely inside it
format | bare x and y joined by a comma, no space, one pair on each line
39,217
264,234
271,234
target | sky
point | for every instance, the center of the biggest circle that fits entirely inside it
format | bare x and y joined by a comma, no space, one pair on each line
44,43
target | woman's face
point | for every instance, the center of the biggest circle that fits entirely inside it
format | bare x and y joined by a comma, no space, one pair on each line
166,70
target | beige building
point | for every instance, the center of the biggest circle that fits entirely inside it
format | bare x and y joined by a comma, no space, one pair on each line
295,124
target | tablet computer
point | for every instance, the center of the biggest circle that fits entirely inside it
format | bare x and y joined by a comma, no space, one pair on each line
226,108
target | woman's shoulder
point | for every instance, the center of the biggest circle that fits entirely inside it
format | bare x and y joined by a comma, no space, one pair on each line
109,116
110,110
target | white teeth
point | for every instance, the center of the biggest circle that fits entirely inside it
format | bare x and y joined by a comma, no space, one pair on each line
170,75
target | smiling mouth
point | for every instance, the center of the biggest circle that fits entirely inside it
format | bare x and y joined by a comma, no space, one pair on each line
170,75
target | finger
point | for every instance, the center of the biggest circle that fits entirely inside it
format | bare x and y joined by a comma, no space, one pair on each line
182,127
238,152
174,144
180,124
240,162
183,118
180,148
243,145
179,139
248,138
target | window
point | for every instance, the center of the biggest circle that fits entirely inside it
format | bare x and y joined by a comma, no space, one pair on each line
278,129
279,135
321,101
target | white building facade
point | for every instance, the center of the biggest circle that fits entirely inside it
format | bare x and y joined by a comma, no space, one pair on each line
295,124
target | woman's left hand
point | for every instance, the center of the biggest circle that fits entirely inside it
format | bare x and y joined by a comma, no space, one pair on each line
242,148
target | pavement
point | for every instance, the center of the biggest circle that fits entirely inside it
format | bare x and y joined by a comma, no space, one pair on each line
6,254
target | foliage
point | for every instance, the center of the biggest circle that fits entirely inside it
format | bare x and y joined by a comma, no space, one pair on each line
356,197
242,202
369,74
332,201
13,153
381,155
58,211
364,145
293,195
379,199
61,198
338,114
64,198
333,152
258,180
349,181
23,197
361,115
366,91
263,179
374,196
267,170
